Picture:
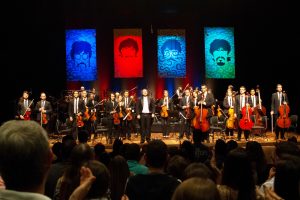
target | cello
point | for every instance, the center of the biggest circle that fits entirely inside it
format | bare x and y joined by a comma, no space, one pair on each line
199,121
245,122
116,117
283,121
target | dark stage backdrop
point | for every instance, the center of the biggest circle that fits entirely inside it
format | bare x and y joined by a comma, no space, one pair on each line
34,57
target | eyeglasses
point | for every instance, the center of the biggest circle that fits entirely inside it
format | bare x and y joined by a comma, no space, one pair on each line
82,55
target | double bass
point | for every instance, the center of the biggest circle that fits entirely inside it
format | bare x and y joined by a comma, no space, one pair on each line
245,122
200,119
259,111
283,121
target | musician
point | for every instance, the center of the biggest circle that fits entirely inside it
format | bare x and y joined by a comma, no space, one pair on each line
178,96
110,109
241,100
166,104
43,108
75,111
92,108
278,98
122,113
24,105
229,103
97,98
129,106
207,100
186,114
253,99
145,109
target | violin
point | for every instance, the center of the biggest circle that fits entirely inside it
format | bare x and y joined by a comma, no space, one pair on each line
245,122
79,121
93,117
86,113
199,121
27,113
283,121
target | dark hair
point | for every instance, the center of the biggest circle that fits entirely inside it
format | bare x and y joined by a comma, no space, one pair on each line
199,170
68,143
100,186
219,43
119,174
171,44
129,42
83,136
132,152
289,148
237,174
81,46
24,154
220,153
156,154
176,166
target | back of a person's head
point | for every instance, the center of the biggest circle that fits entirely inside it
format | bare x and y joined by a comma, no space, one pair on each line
199,170
230,145
287,177
132,152
117,145
25,155
100,185
56,149
156,154
196,189
220,147
176,166
255,152
238,174
292,139
81,153
99,148
68,143
119,172
289,148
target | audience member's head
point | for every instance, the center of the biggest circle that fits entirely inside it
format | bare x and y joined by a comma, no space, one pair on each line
100,186
230,145
56,149
196,189
132,152
199,170
289,148
68,143
156,154
176,166
83,136
25,155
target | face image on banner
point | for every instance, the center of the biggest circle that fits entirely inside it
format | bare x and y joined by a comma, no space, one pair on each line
81,55
219,53
171,53
128,53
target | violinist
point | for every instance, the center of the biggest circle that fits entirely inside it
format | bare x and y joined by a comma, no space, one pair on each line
43,109
242,101
24,107
121,114
110,109
145,110
166,106
186,114
86,114
229,104
92,108
278,98
129,105
75,111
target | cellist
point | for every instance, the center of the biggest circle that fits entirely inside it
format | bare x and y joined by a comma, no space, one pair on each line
278,99
241,102
166,106
43,109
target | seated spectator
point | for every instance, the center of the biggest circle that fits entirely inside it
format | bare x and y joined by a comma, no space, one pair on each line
132,155
155,185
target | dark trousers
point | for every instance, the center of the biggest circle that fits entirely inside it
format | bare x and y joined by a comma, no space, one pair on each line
198,135
165,122
229,131
128,127
113,129
185,128
246,132
278,131
145,126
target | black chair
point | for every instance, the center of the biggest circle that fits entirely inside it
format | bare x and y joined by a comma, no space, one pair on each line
217,125
101,130
260,127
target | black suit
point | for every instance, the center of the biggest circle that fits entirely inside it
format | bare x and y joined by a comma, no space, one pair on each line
238,111
21,108
145,118
109,107
227,103
188,113
128,124
166,120
72,111
92,111
277,101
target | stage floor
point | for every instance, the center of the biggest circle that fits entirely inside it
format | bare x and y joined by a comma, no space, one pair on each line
267,139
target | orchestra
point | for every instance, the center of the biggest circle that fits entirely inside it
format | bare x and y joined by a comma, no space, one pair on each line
124,113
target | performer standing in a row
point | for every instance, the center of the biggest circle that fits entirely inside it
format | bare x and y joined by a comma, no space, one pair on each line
278,98
129,109
43,109
25,106
186,115
145,109
166,106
